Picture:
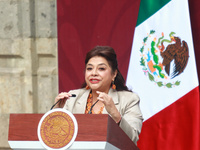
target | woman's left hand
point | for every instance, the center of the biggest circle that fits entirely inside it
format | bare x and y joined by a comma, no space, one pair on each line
109,105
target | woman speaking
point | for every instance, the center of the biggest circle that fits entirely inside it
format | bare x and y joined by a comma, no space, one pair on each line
105,92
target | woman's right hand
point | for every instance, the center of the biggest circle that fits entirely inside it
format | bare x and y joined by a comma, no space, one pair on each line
64,96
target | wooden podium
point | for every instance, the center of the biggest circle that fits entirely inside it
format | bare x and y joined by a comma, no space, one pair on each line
94,132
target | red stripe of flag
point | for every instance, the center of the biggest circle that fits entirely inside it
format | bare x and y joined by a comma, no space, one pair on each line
174,128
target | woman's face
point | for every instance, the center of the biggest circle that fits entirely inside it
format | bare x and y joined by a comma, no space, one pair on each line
98,74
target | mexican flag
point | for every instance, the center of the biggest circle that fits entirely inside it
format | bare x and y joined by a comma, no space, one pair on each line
162,71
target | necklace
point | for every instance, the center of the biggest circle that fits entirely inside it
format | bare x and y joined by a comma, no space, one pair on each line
89,106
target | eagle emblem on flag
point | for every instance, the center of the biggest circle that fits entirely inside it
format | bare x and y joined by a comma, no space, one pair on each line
164,58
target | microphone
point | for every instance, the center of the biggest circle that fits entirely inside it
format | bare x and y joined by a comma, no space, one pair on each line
90,112
73,95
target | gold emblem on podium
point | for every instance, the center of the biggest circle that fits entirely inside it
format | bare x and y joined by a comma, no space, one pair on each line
57,129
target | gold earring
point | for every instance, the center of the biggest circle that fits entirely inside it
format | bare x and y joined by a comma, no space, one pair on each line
87,87
113,85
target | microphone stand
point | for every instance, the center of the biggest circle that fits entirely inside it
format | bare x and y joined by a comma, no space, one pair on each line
90,112
73,95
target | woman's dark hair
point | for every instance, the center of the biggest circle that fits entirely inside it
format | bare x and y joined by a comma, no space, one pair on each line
109,54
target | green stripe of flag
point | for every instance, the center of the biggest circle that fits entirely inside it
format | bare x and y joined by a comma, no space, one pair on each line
148,8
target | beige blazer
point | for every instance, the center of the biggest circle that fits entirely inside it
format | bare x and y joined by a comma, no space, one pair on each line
126,102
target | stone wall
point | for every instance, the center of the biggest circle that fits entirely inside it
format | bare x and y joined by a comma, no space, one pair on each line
28,59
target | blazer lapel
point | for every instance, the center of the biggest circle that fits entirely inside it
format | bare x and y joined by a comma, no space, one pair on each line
114,95
79,107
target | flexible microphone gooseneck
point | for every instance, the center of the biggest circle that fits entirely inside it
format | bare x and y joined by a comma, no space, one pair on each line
73,95
90,112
